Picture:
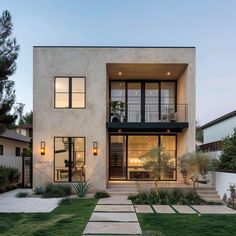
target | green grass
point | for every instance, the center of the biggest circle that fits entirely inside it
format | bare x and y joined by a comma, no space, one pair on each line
189,225
70,218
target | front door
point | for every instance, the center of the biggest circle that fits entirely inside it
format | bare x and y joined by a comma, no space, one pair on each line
117,160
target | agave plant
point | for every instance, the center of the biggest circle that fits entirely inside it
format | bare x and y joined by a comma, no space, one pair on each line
82,188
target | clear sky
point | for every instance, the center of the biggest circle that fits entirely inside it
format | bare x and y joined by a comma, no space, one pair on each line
209,25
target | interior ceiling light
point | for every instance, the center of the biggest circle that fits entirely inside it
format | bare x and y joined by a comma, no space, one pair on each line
168,73
119,73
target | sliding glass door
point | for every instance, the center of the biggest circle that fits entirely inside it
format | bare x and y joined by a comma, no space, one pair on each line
130,153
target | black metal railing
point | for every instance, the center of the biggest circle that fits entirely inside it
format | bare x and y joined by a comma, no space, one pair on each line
149,112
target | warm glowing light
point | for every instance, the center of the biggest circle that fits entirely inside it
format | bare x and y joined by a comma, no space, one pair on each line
119,73
42,148
168,73
95,148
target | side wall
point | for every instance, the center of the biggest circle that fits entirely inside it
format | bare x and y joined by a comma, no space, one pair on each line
220,130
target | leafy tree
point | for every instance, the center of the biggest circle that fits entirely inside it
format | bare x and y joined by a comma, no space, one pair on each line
195,164
155,161
227,160
27,118
8,55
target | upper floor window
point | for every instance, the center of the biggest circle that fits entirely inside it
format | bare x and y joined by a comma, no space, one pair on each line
1,150
17,151
69,92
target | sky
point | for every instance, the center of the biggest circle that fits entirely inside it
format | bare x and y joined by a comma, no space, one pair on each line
208,25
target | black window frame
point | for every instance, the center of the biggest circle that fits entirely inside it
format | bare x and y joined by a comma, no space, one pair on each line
70,160
70,92
1,150
143,97
17,151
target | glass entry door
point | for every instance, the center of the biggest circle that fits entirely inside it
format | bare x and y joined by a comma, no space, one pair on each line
117,160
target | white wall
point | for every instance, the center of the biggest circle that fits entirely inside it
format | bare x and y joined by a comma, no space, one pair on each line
222,181
220,130
9,148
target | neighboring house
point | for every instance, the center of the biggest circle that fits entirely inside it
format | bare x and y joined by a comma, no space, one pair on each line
25,130
215,131
97,110
12,146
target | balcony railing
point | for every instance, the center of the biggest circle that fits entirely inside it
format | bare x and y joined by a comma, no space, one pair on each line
153,112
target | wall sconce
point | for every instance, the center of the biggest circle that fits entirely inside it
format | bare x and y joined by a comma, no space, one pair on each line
42,148
95,148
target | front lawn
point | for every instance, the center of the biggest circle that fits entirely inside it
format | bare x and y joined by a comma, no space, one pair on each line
67,219
185,224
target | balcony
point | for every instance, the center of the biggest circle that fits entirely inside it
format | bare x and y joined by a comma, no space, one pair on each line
136,117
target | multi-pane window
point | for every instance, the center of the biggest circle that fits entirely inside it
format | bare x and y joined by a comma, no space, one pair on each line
69,155
69,92
1,150
17,151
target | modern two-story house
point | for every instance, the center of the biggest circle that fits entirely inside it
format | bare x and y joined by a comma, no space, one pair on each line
98,111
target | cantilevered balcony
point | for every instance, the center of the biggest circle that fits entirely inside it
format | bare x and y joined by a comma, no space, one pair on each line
136,117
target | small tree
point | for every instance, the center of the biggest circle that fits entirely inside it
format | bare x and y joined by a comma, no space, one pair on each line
227,160
154,161
194,164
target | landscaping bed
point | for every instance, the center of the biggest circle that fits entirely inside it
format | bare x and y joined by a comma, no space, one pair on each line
168,197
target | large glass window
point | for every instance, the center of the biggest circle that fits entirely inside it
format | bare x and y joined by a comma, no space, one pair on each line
128,163
168,101
70,92
134,102
143,101
69,159
117,103
151,102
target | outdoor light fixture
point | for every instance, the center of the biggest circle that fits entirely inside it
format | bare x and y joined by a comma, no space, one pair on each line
42,148
95,148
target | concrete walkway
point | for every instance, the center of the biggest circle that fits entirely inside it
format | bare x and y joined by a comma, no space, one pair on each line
11,204
113,216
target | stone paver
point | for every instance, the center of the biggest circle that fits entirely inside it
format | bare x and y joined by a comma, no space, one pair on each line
114,201
163,209
213,209
184,209
119,217
10,204
143,209
117,228
114,208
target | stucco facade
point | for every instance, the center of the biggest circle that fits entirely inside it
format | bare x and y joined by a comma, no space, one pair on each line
90,122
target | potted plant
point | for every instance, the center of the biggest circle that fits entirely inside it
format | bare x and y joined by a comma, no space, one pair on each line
117,111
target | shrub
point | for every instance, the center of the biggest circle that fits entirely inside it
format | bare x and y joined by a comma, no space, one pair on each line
39,190
227,160
167,197
13,175
56,190
101,194
82,188
9,175
22,194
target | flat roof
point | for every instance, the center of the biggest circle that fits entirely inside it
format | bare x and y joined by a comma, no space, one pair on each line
10,134
41,46
220,119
